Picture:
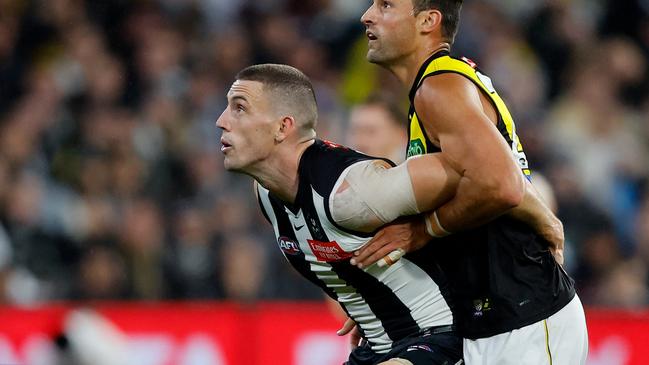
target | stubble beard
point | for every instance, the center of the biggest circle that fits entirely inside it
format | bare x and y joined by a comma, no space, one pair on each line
377,58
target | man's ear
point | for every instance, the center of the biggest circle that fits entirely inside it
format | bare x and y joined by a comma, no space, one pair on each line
286,127
429,20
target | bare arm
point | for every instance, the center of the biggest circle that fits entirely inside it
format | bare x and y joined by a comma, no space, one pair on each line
433,189
491,182
372,194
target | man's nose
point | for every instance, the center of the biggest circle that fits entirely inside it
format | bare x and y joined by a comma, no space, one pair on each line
222,122
368,17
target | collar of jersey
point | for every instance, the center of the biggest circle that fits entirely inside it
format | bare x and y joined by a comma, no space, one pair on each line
422,70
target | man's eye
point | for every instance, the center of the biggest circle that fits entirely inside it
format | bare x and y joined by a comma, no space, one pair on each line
240,108
387,4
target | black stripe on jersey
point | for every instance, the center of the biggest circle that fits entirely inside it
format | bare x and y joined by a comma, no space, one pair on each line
327,195
298,260
378,296
426,259
393,314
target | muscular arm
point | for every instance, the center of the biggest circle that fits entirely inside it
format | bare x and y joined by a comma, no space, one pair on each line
491,182
372,194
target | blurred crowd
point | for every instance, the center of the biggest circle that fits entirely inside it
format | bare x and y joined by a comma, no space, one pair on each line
111,179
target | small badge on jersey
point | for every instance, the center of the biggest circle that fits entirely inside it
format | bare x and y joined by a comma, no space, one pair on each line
480,306
416,148
333,144
470,62
328,251
289,246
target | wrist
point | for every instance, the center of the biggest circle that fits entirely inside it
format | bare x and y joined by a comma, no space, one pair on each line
433,226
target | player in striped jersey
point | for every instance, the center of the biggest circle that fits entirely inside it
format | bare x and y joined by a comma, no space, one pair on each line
325,201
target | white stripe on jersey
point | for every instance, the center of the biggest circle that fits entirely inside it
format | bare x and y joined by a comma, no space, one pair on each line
409,283
346,295
412,285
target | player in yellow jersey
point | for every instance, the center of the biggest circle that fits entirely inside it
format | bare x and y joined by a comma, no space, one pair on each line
515,304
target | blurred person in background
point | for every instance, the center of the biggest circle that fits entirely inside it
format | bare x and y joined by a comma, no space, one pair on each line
142,240
243,267
194,250
376,129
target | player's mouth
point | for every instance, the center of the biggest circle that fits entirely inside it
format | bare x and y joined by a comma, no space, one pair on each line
371,36
225,146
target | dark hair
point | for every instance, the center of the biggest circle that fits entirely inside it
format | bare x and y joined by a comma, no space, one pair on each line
290,87
450,10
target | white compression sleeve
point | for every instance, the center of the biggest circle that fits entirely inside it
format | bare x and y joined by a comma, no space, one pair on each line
376,195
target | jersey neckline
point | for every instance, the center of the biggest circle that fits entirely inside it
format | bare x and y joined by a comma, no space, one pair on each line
422,70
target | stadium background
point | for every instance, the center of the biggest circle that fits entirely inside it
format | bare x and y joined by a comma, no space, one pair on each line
112,188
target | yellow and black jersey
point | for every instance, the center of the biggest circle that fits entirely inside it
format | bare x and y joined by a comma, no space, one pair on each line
442,62
502,274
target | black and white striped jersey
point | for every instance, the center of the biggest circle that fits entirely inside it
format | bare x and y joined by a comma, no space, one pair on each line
387,303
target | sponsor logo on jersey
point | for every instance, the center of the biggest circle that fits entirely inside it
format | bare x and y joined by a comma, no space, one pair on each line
289,246
328,251
416,148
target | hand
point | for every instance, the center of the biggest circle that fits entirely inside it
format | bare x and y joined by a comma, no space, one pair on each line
553,233
355,337
408,234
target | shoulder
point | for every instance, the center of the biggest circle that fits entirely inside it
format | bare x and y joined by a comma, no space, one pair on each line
325,161
446,94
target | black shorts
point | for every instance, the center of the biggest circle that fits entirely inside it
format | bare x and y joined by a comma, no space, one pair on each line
423,349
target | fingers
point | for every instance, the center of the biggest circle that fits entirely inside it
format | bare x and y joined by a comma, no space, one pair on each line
348,326
391,258
355,338
368,249
373,255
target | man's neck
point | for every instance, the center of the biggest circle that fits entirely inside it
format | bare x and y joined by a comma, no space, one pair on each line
407,68
279,173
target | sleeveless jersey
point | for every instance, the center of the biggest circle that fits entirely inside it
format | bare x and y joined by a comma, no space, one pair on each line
389,303
502,275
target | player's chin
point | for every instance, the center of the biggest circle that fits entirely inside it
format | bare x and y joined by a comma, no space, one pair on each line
230,165
375,57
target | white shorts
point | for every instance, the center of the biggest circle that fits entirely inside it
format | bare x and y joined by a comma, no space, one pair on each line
562,339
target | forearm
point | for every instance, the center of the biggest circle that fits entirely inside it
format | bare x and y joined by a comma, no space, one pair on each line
473,206
534,212
371,195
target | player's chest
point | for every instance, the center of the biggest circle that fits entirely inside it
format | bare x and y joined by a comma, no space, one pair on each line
303,236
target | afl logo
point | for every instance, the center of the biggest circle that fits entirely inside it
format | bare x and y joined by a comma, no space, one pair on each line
289,246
